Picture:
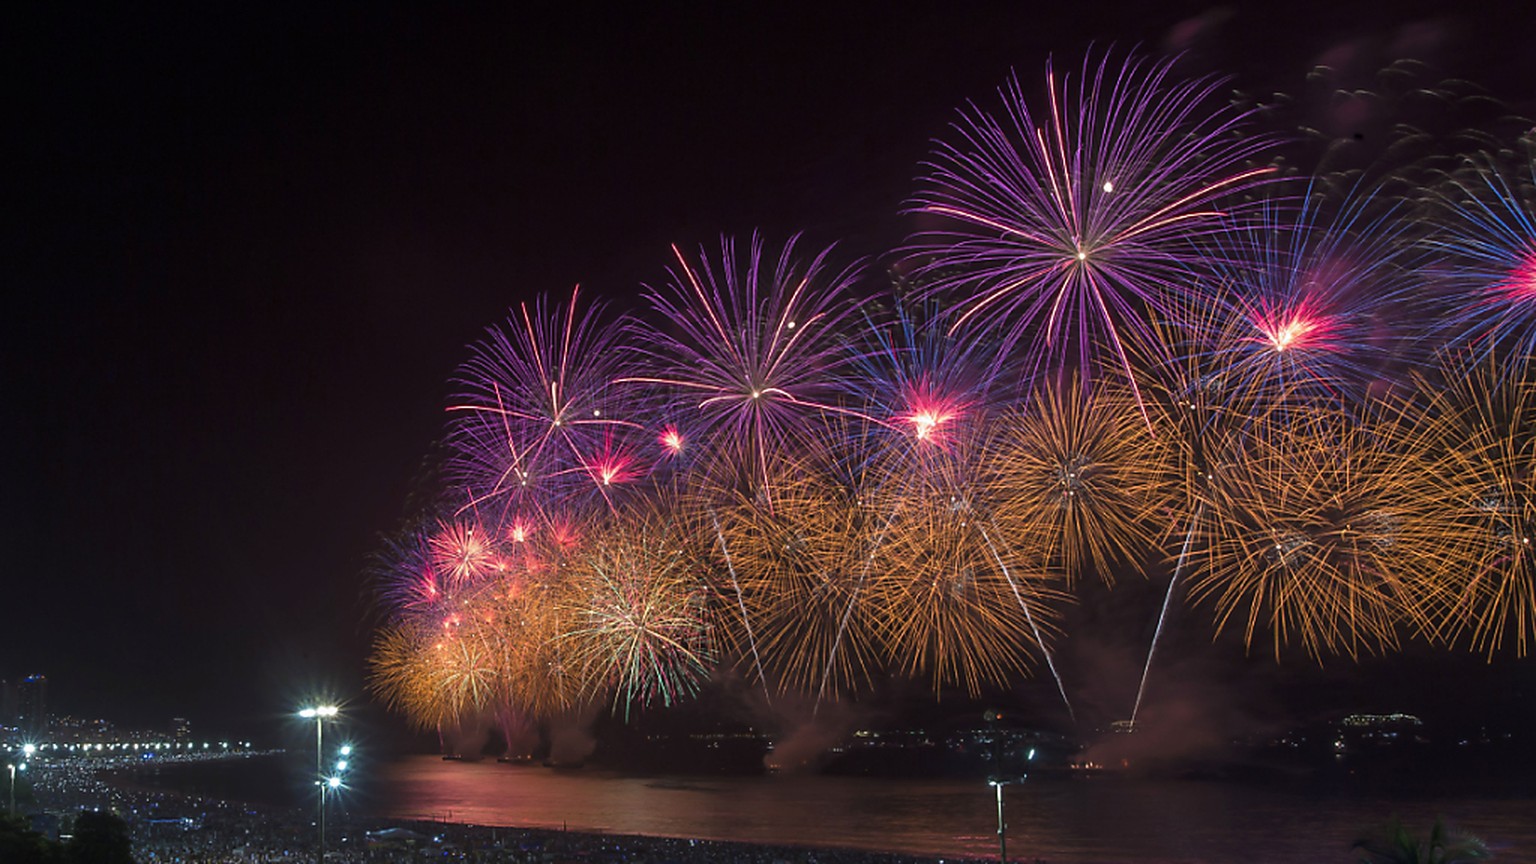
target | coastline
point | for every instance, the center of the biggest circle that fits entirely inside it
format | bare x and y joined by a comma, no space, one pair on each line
174,827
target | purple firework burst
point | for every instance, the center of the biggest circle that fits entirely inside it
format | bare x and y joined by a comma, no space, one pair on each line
538,418
749,355
1062,231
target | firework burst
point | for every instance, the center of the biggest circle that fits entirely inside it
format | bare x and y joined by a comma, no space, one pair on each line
952,599
1488,235
920,386
636,613
1080,483
804,568
1319,535
1478,426
749,354
1315,310
1062,230
538,419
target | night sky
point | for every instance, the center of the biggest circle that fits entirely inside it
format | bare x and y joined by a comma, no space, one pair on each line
246,245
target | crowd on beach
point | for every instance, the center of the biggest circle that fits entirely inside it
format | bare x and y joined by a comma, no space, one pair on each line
170,828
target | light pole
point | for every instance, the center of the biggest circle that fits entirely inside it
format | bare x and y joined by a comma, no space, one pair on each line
1002,827
1000,779
13,768
320,713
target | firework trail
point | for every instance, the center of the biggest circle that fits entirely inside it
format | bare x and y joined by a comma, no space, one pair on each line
1034,627
1198,405
741,606
1058,231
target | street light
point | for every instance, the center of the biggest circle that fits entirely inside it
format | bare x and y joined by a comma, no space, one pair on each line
1002,827
320,713
1000,779
13,768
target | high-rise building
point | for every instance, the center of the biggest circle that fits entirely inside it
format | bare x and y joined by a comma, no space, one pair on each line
7,703
32,706
181,729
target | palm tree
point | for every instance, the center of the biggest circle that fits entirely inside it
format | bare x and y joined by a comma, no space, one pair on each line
1393,843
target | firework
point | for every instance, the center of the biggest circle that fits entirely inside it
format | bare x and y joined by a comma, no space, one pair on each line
463,551
1079,479
803,568
406,579
1314,311
1478,426
635,612
749,354
1112,341
919,381
538,419
1319,535
1488,236
401,675
1059,231
952,599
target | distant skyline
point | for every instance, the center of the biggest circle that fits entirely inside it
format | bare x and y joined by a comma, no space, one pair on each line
249,246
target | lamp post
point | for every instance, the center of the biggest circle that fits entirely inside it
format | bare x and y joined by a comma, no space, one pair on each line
320,713
1002,827
1001,778
13,768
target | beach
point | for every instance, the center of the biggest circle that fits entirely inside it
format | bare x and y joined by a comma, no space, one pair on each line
172,828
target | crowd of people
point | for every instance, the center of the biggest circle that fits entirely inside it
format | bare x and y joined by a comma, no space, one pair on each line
171,828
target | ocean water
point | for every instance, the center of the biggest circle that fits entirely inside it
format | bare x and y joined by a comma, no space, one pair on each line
1062,820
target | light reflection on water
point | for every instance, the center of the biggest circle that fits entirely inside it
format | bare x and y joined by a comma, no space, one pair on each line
1063,821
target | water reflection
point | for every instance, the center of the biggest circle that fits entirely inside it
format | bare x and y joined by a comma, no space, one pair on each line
1060,820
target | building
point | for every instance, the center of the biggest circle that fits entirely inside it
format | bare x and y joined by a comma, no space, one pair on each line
32,706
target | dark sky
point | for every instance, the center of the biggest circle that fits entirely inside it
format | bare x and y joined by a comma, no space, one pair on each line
246,244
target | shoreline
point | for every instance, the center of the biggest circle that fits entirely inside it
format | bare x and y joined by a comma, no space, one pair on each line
174,827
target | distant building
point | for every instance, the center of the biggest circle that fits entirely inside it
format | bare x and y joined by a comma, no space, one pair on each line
1361,732
181,729
32,706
